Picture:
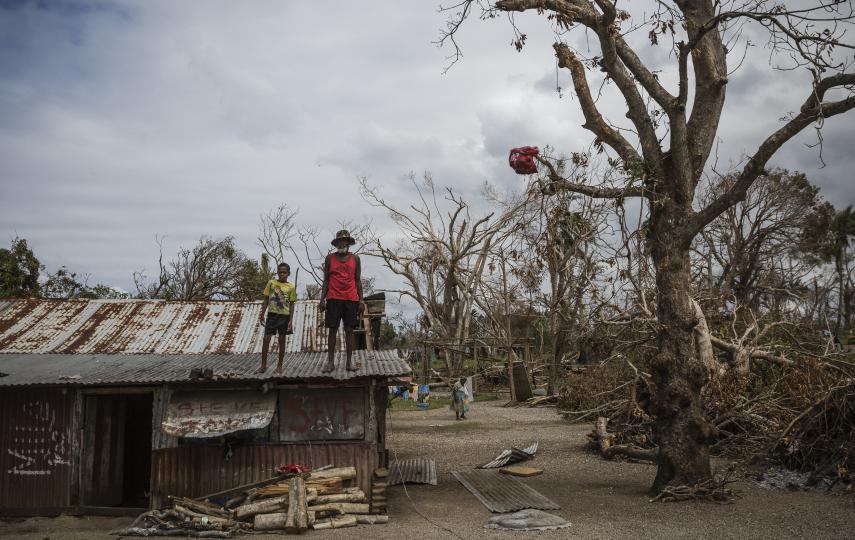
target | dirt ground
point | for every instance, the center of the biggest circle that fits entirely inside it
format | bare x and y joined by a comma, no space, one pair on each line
601,499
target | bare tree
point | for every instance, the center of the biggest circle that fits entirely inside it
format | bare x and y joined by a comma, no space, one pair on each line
276,232
311,245
676,129
561,253
441,255
213,269
752,252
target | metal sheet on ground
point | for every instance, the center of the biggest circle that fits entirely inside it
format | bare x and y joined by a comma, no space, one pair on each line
413,471
514,455
502,493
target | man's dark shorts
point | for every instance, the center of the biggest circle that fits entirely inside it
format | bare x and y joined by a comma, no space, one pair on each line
276,323
341,311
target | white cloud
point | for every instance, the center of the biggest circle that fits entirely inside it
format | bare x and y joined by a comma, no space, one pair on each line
123,121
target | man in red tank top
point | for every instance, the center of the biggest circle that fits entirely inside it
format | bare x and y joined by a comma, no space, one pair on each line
341,296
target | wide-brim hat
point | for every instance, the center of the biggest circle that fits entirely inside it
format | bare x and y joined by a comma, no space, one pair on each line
343,235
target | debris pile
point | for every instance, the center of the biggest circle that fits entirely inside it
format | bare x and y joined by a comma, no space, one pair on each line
801,417
293,502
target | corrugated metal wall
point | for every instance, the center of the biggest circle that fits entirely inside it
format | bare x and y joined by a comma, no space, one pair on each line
103,450
35,448
194,471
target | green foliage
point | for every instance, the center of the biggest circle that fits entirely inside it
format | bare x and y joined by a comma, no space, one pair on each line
827,233
19,271
389,337
66,284
251,280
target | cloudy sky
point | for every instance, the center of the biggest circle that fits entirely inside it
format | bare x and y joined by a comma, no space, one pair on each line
120,121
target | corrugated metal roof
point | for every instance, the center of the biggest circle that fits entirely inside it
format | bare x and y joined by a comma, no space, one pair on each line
149,327
413,471
503,493
112,369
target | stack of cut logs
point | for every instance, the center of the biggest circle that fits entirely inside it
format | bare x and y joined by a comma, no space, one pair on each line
378,491
321,499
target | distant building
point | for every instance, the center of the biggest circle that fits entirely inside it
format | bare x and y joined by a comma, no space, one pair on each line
111,404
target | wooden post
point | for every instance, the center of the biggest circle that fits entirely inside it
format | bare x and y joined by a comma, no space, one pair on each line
510,353
369,338
297,519
426,366
527,362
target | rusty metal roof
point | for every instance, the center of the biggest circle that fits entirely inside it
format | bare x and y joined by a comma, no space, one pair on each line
118,369
149,327
502,493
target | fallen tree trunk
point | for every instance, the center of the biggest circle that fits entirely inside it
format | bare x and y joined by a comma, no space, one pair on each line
222,522
372,520
201,507
345,473
270,522
342,508
340,497
265,506
297,519
603,441
336,523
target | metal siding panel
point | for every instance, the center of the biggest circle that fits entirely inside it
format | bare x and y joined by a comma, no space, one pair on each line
35,461
160,405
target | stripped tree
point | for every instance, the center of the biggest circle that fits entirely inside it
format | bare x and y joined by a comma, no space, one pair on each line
440,253
676,128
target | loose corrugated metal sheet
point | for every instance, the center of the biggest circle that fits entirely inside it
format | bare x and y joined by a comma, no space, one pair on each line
150,327
413,471
501,492
195,471
35,461
212,413
514,455
112,369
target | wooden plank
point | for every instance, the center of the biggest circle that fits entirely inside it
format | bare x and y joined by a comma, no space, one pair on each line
521,470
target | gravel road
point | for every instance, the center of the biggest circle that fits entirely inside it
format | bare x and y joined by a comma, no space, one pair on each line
601,499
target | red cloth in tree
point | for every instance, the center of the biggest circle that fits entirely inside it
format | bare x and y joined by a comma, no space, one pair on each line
522,161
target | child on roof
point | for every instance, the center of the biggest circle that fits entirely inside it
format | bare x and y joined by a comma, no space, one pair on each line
279,299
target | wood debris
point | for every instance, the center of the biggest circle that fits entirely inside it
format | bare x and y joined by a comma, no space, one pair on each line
521,470
291,503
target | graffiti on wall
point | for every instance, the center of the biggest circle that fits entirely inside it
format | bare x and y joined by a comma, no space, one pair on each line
322,414
39,443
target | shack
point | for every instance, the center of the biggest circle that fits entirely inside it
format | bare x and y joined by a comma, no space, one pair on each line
111,406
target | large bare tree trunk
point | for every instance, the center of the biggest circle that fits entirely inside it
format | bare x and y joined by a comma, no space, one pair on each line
682,429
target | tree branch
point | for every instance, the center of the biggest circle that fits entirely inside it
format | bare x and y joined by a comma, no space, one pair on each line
561,183
813,110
